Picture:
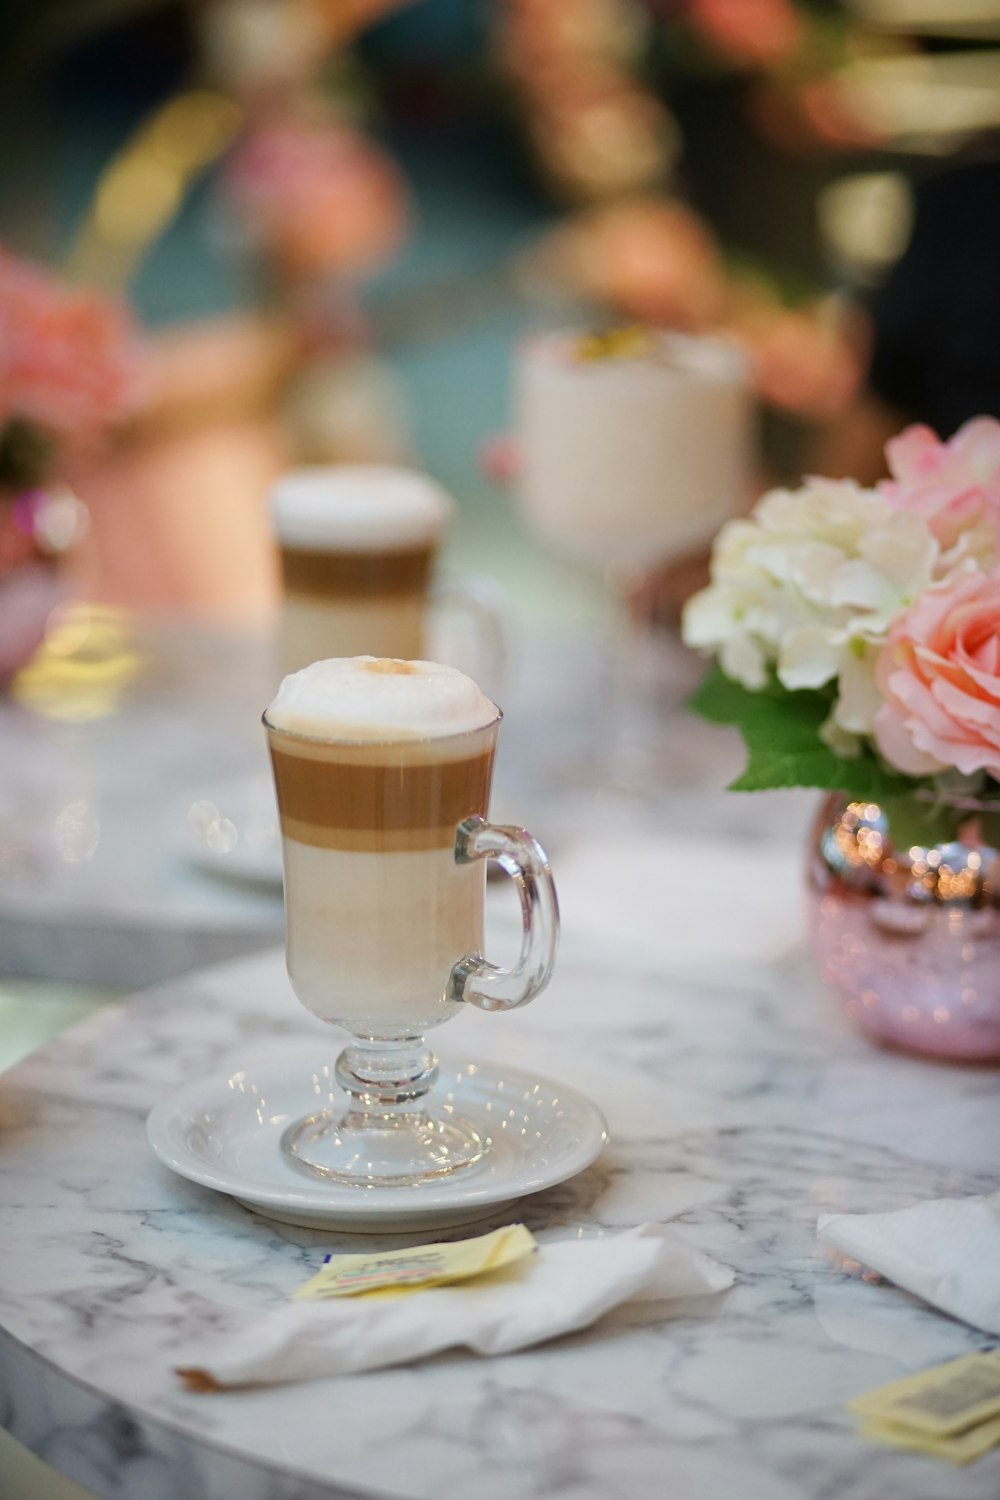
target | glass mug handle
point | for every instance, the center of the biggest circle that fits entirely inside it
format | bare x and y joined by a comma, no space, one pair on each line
482,604
474,979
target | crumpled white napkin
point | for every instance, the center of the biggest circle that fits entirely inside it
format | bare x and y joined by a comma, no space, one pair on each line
946,1251
562,1287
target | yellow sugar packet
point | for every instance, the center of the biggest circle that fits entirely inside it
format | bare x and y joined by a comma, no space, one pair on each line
939,1402
400,1271
961,1448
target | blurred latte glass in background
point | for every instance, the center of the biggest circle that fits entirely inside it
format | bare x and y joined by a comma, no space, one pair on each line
359,546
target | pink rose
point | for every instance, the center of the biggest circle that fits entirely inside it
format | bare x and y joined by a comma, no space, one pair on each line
69,359
955,486
939,673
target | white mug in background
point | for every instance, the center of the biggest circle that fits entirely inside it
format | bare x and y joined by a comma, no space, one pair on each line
633,447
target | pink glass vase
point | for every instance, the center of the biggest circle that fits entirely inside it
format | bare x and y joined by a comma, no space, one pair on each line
904,913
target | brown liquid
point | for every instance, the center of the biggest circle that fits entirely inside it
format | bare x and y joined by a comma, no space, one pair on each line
323,574
378,798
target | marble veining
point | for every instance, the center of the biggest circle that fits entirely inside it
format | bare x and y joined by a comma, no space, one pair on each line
739,1111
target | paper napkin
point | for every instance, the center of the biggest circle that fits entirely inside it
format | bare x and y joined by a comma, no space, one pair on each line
563,1287
946,1251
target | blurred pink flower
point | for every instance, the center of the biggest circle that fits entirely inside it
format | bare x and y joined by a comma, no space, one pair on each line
319,196
803,360
758,32
69,359
810,117
499,459
918,457
835,117
939,673
955,486
651,259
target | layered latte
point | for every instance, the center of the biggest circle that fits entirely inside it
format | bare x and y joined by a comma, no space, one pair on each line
376,762
357,547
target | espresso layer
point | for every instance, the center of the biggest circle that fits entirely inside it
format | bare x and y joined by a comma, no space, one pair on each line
365,806
324,574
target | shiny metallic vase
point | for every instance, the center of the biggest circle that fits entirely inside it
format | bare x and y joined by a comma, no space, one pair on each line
904,913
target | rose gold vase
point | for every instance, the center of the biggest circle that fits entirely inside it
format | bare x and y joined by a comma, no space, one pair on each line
904,912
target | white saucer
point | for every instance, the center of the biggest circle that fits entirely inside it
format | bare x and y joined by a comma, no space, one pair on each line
224,1132
231,829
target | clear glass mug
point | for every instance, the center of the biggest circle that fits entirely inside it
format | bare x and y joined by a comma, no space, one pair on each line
384,847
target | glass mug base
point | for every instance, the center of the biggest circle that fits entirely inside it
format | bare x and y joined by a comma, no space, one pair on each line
358,1147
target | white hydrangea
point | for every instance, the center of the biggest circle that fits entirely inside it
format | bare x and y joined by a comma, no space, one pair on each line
808,586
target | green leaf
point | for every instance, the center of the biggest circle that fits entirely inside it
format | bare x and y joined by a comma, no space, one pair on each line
781,732
989,824
771,766
920,821
719,699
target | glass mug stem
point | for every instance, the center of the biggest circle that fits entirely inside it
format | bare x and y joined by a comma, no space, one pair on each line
384,1077
389,1135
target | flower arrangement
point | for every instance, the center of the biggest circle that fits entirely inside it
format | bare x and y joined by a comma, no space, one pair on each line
857,631
69,368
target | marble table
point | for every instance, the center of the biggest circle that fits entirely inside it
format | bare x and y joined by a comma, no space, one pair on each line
100,880
740,1107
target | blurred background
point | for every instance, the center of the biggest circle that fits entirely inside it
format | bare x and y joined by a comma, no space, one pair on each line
274,231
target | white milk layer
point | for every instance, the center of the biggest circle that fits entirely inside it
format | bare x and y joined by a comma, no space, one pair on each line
312,628
631,460
358,507
366,698
372,938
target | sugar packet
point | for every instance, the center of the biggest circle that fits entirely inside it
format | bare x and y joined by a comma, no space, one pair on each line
951,1411
408,1270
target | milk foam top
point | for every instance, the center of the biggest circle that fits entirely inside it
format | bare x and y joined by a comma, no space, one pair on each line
358,507
369,698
